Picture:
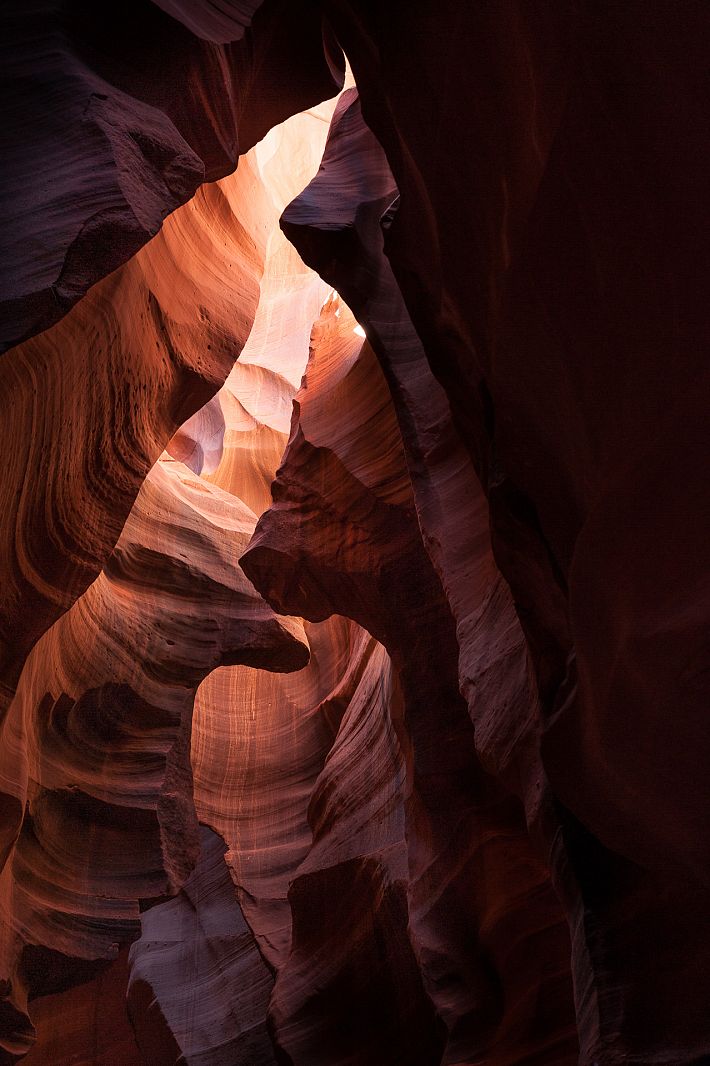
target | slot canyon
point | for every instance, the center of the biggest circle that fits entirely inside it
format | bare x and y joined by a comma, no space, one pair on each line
354,528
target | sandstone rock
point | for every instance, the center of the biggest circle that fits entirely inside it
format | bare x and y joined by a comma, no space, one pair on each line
94,107
100,728
439,797
546,268
342,536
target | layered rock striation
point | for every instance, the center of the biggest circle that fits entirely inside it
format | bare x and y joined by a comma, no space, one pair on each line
352,667
342,536
128,112
101,728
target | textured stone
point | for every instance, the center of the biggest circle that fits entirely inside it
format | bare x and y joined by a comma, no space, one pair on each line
100,727
342,536
94,107
555,269
438,798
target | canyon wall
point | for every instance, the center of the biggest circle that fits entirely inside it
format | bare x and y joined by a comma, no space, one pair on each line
353,612
550,247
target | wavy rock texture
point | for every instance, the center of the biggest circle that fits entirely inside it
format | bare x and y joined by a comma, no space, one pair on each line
115,677
199,990
260,741
342,536
338,224
448,807
350,953
118,375
96,90
550,210
113,380
234,442
105,736
115,375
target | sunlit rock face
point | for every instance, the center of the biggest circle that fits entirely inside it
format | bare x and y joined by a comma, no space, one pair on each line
96,740
351,646
101,724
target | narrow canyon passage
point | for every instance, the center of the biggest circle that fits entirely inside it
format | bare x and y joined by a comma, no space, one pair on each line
353,661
